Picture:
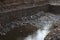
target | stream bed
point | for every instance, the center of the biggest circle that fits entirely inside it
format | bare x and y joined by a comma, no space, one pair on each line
42,22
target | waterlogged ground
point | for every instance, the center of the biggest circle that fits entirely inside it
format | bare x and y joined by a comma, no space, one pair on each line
34,27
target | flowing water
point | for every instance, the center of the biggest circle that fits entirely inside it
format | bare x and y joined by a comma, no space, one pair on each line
40,34
43,21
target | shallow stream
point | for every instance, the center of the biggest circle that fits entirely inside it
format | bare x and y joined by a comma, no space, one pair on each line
45,22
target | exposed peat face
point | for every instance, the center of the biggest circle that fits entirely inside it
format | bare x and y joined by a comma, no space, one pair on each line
55,9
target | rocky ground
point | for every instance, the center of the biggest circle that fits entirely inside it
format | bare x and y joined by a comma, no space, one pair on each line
54,34
9,11
18,4
22,31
